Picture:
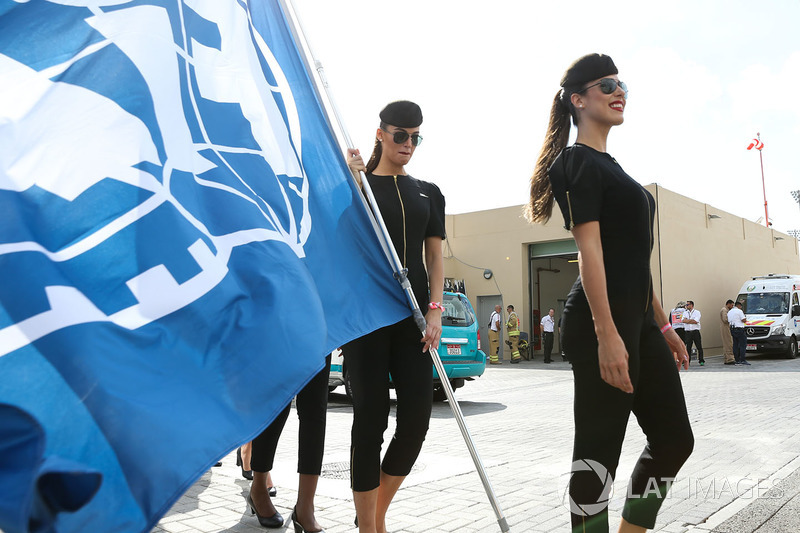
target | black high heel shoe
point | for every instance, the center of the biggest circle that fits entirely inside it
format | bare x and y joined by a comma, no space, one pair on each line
275,521
247,474
298,528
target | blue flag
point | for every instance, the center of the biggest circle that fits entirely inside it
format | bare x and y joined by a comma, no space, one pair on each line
180,247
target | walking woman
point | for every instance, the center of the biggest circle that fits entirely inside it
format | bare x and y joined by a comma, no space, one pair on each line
625,356
312,405
413,212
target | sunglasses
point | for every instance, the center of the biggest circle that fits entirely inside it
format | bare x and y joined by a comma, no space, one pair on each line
608,86
400,136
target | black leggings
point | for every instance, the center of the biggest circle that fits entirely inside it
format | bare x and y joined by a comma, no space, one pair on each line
369,360
601,417
312,406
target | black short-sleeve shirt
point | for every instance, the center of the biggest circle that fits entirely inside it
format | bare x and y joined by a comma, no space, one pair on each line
591,186
412,210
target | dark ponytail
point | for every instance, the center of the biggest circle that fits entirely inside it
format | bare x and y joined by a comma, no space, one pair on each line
540,206
377,150
375,158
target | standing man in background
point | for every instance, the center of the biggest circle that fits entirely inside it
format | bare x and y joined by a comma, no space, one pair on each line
494,336
548,324
512,325
725,332
691,317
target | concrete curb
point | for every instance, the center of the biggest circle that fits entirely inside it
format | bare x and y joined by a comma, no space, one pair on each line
741,508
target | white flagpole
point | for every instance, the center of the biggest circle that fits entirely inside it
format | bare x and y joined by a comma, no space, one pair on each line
399,272
763,183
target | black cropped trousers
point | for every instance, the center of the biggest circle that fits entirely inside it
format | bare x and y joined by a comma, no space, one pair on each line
369,360
601,417
312,406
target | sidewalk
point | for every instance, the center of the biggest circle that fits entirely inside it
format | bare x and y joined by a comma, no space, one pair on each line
746,422
776,511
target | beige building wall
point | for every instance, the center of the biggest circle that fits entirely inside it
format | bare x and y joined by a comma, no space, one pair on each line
497,239
706,254
700,253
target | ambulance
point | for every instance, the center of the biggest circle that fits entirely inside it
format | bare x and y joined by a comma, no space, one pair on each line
771,305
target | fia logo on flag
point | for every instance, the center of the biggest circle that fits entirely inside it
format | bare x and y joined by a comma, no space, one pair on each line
162,137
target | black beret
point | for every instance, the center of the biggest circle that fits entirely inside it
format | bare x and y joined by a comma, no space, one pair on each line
587,68
403,114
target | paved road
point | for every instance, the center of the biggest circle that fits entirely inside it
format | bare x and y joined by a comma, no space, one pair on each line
744,475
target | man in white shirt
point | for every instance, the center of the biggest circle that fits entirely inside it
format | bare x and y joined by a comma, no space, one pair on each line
691,317
548,324
737,321
494,336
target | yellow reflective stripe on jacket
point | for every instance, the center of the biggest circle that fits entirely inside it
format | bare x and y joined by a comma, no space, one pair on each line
513,324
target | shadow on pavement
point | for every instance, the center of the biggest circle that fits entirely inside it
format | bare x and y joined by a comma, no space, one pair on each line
758,363
536,364
248,521
440,409
339,400
443,410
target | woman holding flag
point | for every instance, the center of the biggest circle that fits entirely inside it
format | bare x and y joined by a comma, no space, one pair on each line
413,212
625,356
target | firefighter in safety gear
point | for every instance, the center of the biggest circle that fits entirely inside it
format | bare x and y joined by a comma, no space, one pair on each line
512,327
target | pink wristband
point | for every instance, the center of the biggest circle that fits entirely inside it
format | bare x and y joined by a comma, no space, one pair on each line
666,327
436,305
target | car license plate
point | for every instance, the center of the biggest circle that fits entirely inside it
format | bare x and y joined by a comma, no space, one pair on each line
453,349
751,346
